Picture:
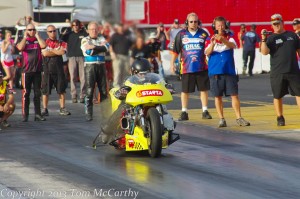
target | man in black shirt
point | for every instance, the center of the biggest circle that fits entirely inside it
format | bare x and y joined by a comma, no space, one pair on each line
283,47
119,49
76,59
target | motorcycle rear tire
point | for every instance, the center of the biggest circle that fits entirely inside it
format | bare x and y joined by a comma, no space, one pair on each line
155,133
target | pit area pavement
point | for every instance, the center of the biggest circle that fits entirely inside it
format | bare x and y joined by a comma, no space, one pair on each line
261,116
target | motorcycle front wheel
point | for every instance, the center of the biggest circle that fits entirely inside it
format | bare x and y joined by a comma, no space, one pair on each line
154,129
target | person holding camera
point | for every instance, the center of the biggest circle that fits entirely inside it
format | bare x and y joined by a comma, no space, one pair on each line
221,70
283,47
190,43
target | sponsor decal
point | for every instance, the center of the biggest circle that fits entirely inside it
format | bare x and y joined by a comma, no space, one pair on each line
147,93
192,40
192,47
279,41
185,40
194,58
131,143
290,39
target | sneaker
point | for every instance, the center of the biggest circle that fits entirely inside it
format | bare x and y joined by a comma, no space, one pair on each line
74,100
280,121
45,112
183,116
5,123
222,123
64,111
242,122
206,115
81,100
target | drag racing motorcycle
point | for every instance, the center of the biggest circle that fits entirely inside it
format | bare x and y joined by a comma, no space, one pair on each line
144,122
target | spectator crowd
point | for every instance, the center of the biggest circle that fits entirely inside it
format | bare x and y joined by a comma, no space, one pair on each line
100,55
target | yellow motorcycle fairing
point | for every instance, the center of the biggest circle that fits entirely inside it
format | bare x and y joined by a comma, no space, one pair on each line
138,142
149,94
115,102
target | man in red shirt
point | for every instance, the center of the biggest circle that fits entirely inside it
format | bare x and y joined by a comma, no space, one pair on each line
53,72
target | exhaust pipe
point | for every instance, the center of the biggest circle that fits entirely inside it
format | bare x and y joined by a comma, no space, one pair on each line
124,123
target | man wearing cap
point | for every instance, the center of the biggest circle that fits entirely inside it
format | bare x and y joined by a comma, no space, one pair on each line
283,47
172,32
249,39
7,104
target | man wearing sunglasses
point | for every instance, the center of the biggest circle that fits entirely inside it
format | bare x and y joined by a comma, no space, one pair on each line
283,47
53,72
31,46
190,43
76,59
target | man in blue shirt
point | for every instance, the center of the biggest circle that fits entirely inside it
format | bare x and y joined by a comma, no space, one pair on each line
221,71
250,39
189,44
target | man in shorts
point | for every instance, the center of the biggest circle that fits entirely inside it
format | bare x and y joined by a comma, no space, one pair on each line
283,47
190,43
53,71
221,70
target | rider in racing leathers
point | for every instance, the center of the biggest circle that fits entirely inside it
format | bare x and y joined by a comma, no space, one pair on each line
139,68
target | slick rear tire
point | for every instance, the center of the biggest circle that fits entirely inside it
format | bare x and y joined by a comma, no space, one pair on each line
155,133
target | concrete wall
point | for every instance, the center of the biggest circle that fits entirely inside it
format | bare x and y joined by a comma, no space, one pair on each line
262,62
